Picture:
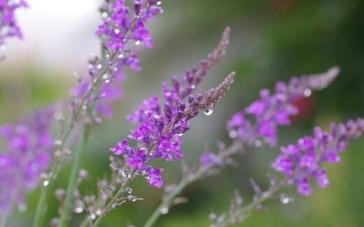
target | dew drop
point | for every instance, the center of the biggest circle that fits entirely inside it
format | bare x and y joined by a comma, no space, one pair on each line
78,210
99,66
45,183
22,207
92,216
58,142
285,199
98,212
121,56
104,15
193,87
257,143
307,92
117,31
137,43
233,134
159,3
164,210
208,111
105,76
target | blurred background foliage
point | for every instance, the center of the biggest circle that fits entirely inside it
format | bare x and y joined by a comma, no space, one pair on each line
271,40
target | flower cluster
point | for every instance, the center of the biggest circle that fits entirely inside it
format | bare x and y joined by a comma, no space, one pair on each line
25,155
122,27
158,135
273,110
303,161
8,23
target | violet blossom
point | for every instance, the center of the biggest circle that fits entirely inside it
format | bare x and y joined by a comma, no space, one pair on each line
159,134
303,162
161,125
122,27
8,23
25,155
275,109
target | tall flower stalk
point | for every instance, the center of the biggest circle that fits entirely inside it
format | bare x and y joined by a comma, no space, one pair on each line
158,134
122,28
164,141
272,110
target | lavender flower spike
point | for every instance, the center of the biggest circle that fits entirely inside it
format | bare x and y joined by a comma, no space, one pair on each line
159,135
303,161
24,156
122,29
8,24
273,110
187,83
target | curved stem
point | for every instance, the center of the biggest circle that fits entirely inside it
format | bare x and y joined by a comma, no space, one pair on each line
73,178
202,171
254,204
109,205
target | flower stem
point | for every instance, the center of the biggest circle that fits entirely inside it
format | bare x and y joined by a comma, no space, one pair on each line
109,205
202,171
73,177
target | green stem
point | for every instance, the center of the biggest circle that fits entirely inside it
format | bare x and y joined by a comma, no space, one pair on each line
112,201
41,208
168,200
73,178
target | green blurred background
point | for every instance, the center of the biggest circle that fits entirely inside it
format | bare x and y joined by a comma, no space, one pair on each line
271,40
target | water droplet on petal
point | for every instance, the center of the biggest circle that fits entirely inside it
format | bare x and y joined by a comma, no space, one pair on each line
159,3
117,31
99,66
137,43
307,92
208,112
104,15
164,210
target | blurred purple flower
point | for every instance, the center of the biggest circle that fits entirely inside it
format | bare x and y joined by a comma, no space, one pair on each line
304,160
8,23
25,155
273,110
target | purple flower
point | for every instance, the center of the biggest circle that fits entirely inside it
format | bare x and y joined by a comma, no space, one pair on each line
123,27
160,130
24,156
8,23
275,109
210,158
304,160
161,125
